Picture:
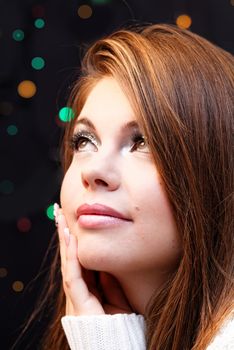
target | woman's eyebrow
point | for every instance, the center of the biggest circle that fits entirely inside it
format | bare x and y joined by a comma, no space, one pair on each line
126,127
85,121
129,126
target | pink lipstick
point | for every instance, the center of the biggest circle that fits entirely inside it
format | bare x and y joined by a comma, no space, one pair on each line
97,216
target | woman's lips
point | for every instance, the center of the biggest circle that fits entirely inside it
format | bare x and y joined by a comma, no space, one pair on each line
99,216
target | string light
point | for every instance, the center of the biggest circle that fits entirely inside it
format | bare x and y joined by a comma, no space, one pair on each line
39,23
85,11
3,272
12,130
50,212
18,35
38,63
66,114
27,89
18,286
24,225
184,21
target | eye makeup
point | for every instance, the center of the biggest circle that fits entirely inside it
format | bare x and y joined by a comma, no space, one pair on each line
84,140
82,137
138,140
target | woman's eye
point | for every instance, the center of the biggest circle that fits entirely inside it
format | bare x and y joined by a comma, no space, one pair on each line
81,142
139,144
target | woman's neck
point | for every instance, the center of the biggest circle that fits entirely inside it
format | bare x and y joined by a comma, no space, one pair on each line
139,289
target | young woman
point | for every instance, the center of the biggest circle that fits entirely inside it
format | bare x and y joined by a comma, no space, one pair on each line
146,218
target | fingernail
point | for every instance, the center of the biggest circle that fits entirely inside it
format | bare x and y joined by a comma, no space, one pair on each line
67,235
56,208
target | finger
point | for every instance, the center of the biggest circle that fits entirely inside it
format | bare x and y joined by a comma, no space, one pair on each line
73,279
79,300
62,225
113,292
82,300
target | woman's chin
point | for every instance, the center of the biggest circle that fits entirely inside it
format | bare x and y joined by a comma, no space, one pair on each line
95,259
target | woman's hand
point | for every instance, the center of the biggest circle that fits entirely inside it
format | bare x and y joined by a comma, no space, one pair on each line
87,292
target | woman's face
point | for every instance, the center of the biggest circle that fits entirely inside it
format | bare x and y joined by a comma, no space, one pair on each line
112,171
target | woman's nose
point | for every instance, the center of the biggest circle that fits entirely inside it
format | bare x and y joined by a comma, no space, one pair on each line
100,174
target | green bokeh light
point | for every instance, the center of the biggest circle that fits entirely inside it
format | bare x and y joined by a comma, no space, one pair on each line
50,212
18,35
38,63
12,130
66,114
6,187
39,23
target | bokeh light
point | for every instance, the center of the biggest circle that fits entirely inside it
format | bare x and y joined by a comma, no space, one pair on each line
18,35
184,21
39,23
3,272
18,286
66,114
12,130
6,108
24,224
38,63
59,122
6,187
38,11
27,89
50,212
85,11
232,2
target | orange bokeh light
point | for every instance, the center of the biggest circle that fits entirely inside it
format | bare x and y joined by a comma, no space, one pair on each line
184,21
26,89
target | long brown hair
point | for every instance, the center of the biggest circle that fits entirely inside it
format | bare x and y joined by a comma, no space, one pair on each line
180,87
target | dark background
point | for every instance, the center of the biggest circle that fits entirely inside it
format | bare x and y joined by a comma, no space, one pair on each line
30,171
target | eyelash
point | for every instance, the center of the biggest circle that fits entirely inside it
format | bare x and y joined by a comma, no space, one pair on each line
137,138
80,136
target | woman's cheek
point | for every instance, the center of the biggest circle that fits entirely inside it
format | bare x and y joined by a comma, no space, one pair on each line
71,192
65,192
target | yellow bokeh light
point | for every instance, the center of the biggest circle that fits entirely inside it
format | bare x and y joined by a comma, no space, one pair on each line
3,272
85,11
18,286
184,21
26,89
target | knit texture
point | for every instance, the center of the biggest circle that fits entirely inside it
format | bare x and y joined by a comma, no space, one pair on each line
124,332
105,332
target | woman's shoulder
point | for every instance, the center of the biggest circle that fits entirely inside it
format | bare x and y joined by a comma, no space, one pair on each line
224,339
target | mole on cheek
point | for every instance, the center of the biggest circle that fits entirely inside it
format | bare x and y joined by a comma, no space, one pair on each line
137,208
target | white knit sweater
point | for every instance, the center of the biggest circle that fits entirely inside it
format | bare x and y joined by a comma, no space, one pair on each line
124,332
